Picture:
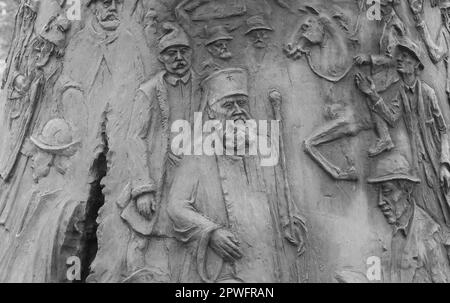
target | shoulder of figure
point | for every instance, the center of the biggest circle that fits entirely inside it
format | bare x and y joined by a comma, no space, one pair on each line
426,88
149,86
427,221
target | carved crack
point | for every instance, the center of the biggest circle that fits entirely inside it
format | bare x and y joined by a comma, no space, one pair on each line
95,202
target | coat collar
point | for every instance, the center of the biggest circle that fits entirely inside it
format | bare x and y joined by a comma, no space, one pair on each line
411,88
175,81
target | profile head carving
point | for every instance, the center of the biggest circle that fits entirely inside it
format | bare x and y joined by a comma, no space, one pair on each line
396,182
408,56
53,147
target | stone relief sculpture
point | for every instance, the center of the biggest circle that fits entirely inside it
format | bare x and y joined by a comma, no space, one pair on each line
34,63
170,96
217,45
211,217
383,70
52,226
326,39
418,253
417,105
88,167
438,48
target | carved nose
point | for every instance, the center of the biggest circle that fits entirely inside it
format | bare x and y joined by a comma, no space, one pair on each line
113,6
237,108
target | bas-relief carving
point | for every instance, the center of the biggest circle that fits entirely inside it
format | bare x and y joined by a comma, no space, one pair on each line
158,222
33,66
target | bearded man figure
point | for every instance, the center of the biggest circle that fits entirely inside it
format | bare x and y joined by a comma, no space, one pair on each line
227,211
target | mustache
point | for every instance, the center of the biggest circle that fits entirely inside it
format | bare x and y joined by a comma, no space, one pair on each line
180,64
110,16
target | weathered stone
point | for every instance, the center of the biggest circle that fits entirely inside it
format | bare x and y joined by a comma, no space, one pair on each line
115,164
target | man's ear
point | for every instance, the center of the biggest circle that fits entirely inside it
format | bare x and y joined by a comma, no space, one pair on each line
160,58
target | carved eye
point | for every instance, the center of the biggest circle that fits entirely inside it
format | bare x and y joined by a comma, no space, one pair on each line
229,105
242,103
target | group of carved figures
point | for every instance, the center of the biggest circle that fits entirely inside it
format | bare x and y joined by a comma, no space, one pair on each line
91,121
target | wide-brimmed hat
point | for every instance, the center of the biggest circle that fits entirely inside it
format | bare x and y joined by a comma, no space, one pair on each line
225,83
257,22
217,33
55,137
408,45
394,167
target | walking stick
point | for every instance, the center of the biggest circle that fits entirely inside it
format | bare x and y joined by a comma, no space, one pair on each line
297,224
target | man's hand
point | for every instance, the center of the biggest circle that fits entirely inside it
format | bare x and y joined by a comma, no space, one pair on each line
445,178
226,245
146,205
362,59
365,84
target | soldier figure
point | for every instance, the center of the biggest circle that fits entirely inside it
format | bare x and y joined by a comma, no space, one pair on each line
169,96
439,48
418,253
417,106
217,45
50,219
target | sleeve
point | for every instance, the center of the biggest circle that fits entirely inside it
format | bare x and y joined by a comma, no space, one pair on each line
381,61
437,50
438,261
137,145
189,223
389,112
441,127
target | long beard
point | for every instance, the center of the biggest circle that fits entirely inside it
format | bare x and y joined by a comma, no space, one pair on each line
244,137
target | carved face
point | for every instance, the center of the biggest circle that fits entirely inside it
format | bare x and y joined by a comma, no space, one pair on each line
219,49
236,109
392,193
41,165
312,30
107,14
259,38
177,60
407,64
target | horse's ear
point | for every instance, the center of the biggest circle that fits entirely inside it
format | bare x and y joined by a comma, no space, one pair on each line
307,9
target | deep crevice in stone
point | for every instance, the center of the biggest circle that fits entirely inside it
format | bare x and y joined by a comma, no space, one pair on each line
95,202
